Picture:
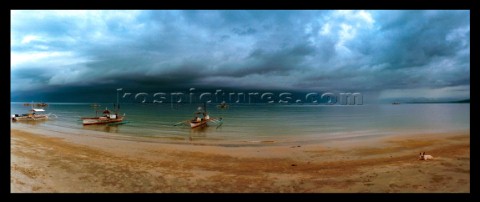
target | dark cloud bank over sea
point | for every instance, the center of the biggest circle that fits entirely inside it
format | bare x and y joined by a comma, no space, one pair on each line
84,56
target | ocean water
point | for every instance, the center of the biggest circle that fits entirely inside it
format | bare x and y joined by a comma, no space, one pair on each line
263,121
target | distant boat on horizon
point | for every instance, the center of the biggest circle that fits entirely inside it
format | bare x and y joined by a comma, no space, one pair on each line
95,105
36,104
223,105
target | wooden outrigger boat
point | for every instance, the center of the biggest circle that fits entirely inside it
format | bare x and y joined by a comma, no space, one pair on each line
108,117
33,115
198,122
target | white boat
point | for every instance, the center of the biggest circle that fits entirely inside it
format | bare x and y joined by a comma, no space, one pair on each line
33,115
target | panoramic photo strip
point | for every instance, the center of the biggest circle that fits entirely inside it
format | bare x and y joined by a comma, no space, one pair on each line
240,101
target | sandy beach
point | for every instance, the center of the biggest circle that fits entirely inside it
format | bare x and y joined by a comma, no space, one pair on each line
61,162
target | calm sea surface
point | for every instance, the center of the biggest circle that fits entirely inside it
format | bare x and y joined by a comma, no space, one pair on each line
263,121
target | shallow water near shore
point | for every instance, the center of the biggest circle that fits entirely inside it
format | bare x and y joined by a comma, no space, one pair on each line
262,122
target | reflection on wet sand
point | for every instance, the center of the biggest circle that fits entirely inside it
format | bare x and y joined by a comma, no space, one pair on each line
30,122
105,128
200,132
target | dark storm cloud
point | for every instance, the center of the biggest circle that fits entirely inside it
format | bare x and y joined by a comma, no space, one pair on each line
280,62
417,42
383,51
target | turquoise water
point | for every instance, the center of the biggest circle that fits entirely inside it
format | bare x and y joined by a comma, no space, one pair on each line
265,121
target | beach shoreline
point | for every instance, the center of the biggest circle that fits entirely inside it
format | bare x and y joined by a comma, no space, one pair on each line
61,162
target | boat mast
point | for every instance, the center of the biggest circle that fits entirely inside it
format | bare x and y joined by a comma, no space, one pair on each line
116,110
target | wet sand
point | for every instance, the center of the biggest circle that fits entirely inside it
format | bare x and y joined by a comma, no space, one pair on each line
61,162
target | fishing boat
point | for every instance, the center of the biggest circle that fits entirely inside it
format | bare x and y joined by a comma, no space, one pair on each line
33,115
108,116
205,121
198,123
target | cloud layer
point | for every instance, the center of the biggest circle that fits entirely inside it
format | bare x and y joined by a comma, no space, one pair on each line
392,53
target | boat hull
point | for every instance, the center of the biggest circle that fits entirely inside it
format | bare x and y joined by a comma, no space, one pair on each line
98,120
198,124
30,118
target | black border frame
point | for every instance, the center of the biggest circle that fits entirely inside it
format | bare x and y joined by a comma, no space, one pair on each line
247,4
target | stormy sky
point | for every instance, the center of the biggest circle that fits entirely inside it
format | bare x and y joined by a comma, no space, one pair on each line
388,54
